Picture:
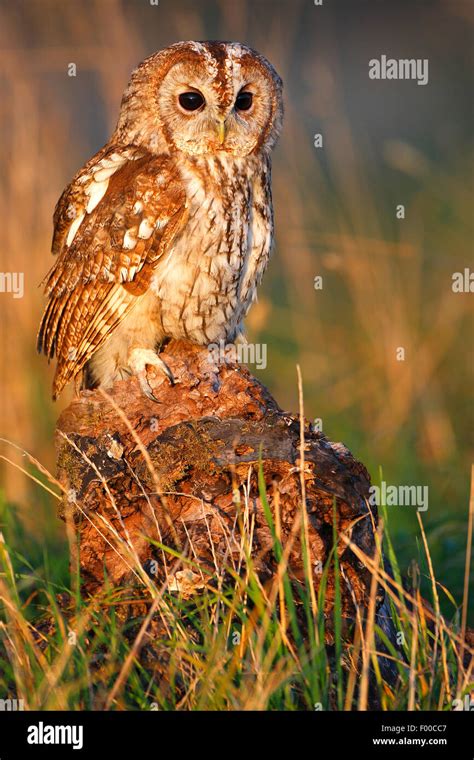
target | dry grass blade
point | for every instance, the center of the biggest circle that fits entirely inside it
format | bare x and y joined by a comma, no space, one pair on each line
467,572
368,642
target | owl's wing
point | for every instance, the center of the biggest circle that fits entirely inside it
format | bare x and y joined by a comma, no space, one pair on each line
111,226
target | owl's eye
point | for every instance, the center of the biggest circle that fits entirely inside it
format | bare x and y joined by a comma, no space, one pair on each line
191,101
243,101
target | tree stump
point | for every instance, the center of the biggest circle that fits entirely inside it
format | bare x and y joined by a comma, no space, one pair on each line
184,473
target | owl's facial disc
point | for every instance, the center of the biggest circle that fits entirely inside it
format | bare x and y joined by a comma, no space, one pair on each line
218,106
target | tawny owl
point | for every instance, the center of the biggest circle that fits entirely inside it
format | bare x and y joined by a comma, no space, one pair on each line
166,231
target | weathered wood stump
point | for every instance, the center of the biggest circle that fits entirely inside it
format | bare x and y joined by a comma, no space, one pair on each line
184,473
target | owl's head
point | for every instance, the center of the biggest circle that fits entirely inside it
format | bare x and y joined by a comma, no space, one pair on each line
203,98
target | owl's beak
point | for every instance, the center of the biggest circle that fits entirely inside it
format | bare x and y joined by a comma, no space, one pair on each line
220,126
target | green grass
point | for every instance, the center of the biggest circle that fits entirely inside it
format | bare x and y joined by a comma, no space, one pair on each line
237,645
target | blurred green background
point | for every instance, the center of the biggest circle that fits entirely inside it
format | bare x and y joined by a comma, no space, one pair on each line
386,282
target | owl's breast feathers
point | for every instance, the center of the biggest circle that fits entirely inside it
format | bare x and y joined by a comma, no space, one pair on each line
206,287
112,226
121,212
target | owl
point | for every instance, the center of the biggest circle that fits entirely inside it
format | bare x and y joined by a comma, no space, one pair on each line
166,231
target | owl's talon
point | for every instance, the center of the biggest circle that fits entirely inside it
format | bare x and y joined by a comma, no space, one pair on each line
138,361
146,387
164,367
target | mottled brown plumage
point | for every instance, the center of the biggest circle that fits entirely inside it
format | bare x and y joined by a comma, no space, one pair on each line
167,230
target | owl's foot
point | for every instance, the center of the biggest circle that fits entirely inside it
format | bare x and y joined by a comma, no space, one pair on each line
138,360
